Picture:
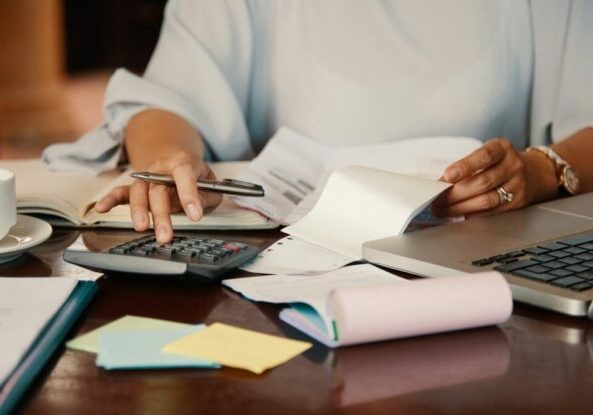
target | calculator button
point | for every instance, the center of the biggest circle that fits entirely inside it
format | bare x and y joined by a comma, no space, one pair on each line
166,250
232,247
118,250
209,258
185,253
221,252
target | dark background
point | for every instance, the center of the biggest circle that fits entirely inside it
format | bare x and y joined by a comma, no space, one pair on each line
102,34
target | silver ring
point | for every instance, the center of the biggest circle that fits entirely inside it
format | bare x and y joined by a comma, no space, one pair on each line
505,197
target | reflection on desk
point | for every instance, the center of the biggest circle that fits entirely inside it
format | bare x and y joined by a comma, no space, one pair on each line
389,369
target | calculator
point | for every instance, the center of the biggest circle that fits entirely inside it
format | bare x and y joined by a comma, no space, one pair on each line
185,257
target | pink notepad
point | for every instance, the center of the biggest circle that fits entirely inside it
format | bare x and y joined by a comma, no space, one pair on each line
391,310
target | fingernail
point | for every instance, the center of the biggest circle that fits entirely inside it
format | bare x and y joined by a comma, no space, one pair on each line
193,212
453,174
161,233
139,218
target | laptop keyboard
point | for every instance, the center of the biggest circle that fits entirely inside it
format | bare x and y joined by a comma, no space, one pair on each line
566,263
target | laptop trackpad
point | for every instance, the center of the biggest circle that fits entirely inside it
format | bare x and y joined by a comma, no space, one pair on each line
531,225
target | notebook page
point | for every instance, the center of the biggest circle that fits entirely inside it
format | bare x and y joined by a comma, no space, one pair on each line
64,194
359,204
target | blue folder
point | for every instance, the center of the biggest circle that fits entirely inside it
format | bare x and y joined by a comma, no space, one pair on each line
48,341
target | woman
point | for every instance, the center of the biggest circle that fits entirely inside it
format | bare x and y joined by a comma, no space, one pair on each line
226,74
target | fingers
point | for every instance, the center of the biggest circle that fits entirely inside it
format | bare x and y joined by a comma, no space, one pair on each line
487,203
513,186
187,191
477,184
158,196
491,153
139,205
477,193
160,201
118,196
210,200
482,202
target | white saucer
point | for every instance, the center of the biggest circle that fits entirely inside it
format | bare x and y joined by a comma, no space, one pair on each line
27,233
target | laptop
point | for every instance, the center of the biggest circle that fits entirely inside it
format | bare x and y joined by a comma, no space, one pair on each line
545,252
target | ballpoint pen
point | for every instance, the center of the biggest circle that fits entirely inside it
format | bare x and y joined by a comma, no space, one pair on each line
228,186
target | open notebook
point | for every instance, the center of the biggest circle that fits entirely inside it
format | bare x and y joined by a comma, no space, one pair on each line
68,198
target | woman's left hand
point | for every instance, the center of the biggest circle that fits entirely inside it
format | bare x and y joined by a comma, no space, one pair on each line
494,178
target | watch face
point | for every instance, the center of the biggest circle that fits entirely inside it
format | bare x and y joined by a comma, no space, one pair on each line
570,180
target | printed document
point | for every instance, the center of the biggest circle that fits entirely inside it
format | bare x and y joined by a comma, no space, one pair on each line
294,169
291,255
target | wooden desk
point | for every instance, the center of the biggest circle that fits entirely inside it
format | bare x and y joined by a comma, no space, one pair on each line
537,362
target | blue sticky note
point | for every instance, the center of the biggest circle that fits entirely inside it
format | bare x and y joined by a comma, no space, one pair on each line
141,349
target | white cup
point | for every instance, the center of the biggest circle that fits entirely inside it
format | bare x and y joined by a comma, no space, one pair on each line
7,202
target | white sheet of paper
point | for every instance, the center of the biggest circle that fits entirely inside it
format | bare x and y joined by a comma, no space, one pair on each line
293,168
291,255
26,305
360,204
312,290
289,168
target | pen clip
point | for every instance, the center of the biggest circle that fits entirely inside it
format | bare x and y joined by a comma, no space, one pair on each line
242,184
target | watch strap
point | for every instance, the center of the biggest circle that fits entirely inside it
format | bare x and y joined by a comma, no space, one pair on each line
560,165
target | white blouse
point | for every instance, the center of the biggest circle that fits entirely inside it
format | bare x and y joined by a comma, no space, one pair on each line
350,72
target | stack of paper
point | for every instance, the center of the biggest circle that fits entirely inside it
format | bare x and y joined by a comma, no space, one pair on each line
362,303
335,198
240,348
144,343
294,168
135,343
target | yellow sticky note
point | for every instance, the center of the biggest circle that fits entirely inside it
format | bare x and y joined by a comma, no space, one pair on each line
235,347
89,342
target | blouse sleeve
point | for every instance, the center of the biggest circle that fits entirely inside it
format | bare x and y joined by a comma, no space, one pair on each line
200,70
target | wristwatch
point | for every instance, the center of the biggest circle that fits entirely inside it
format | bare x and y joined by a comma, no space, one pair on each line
567,178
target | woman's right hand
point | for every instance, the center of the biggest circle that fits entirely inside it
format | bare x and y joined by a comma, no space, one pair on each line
160,200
